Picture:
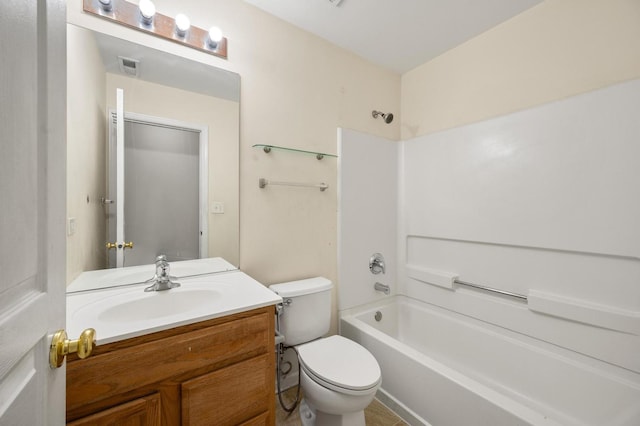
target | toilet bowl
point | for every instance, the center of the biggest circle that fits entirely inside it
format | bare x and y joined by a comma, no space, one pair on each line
339,377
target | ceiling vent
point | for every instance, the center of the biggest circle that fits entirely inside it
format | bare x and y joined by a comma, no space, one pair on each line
129,66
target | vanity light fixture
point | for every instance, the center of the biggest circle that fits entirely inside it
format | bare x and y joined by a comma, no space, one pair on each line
143,17
106,5
147,12
214,37
182,24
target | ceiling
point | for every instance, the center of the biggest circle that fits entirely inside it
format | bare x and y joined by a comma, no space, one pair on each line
395,34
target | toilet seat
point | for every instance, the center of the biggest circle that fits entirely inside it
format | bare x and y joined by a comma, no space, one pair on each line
340,364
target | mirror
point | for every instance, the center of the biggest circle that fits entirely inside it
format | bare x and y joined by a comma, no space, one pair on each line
167,89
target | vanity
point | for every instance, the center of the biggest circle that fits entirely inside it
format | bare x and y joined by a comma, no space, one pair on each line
206,359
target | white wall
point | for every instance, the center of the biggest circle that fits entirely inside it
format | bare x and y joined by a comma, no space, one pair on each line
543,203
86,153
367,215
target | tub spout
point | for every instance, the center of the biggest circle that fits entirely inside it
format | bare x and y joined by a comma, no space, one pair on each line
382,287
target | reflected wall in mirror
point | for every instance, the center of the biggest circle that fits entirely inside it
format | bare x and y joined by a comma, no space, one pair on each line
167,87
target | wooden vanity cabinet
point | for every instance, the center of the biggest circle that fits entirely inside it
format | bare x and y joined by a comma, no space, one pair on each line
216,372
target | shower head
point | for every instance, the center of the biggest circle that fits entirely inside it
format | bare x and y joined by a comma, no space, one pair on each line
388,117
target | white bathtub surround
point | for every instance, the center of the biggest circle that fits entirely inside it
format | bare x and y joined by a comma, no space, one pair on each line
541,204
367,213
544,302
445,368
537,202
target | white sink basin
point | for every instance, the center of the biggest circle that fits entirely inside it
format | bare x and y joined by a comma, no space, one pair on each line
124,312
155,304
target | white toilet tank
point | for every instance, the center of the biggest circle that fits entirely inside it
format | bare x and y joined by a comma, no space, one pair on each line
308,314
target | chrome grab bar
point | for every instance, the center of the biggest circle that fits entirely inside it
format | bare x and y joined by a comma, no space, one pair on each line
491,289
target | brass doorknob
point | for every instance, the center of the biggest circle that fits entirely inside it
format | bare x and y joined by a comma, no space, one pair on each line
120,245
61,346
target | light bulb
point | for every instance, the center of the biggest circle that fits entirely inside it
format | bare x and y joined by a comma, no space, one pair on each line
215,37
106,5
147,10
182,24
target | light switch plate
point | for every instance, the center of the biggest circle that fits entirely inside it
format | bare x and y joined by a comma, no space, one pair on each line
71,226
217,207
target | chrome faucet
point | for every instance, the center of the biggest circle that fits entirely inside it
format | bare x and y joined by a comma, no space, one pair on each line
161,280
382,287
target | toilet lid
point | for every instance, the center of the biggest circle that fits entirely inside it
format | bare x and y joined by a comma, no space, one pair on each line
340,362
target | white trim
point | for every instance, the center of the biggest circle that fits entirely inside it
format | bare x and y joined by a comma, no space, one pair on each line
120,176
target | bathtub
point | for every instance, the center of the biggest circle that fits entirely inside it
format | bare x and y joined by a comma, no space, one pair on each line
441,368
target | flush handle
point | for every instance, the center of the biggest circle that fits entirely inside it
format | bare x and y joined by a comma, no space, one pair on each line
61,346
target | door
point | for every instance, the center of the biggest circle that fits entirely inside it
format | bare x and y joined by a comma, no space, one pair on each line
32,218
158,180
161,210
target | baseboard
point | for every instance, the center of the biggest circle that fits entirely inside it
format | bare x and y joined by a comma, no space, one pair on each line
400,409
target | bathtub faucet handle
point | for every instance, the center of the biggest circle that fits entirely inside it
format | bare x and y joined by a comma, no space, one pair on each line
376,263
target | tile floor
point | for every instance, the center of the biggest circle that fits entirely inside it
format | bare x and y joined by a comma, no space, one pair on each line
376,414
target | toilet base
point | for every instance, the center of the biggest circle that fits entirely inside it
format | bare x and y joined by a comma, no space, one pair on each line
309,416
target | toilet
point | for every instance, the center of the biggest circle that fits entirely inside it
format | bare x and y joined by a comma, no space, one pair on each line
339,378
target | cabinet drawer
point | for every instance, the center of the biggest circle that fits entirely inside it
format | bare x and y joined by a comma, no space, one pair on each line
140,412
229,396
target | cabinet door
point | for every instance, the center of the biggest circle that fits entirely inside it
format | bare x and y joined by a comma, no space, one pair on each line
140,412
229,396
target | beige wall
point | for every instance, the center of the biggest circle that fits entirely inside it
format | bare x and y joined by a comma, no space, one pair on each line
296,90
86,118
221,117
555,50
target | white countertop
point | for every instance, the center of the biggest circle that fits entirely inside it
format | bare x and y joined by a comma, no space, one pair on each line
124,312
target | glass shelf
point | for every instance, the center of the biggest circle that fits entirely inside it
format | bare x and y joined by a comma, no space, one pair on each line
268,148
